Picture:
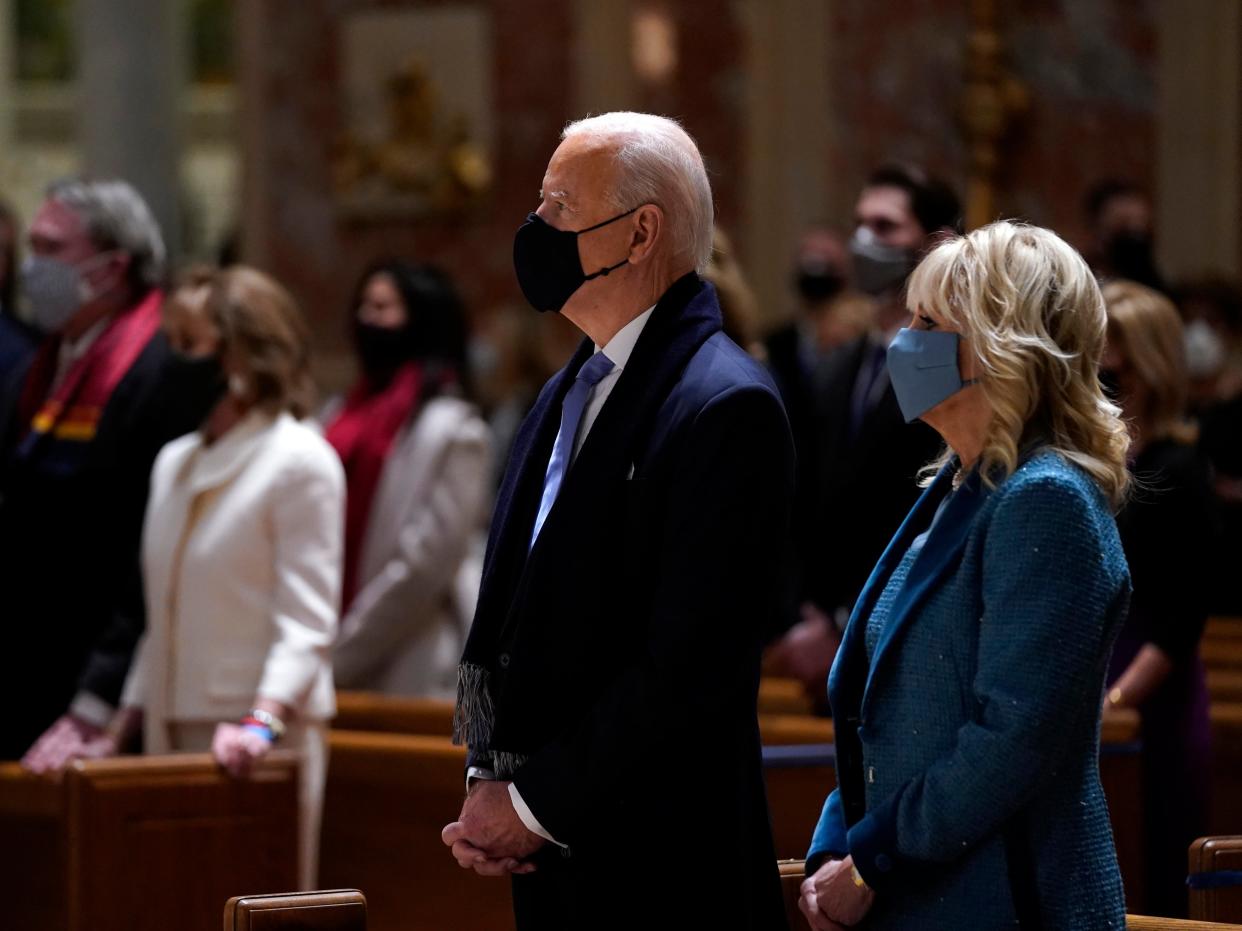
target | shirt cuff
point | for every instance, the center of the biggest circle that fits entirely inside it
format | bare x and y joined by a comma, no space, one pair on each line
478,772
528,817
92,709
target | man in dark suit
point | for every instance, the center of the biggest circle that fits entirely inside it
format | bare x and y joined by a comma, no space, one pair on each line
608,685
867,457
101,395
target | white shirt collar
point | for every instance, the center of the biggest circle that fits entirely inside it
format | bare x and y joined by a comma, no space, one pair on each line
621,346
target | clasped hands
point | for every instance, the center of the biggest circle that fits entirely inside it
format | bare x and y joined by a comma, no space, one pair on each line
832,900
488,836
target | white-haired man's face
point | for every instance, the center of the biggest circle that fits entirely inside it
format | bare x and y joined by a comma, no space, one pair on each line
575,197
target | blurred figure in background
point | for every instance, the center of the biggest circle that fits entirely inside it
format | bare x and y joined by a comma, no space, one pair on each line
1168,532
738,305
1123,240
101,397
17,340
866,456
241,552
1212,309
417,464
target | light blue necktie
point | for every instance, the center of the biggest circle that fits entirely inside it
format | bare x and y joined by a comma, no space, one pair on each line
572,409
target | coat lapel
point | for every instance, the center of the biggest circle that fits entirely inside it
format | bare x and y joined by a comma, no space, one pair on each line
939,557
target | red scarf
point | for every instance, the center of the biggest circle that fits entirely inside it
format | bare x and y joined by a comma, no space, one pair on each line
363,434
70,415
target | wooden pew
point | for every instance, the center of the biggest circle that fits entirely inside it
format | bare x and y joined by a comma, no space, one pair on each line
1223,628
1221,654
388,797
1225,685
782,699
791,884
332,910
1215,879
143,843
1226,816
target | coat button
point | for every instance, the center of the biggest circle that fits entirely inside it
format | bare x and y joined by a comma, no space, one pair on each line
504,660
871,775
883,863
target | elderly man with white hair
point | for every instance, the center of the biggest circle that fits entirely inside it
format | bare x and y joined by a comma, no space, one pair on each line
103,393
607,689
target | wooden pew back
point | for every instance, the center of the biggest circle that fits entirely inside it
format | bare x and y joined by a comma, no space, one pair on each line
331,910
145,843
1216,879
388,797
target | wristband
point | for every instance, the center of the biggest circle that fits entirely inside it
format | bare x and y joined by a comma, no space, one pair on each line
270,721
262,730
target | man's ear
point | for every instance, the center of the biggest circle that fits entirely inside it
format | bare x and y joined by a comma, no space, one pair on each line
648,230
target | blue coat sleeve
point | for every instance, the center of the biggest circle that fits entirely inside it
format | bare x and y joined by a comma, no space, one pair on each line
829,839
1050,598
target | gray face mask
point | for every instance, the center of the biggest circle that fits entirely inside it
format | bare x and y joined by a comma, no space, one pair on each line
1205,350
55,289
879,269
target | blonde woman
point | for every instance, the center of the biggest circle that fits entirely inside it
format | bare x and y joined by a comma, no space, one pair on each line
242,553
1168,529
968,686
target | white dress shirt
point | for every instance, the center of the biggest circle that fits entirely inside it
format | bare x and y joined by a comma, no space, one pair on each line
618,350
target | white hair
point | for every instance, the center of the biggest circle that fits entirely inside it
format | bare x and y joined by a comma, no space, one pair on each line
116,217
658,163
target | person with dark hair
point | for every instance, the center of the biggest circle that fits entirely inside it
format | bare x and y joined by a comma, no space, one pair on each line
101,395
866,456
417,465
1119,215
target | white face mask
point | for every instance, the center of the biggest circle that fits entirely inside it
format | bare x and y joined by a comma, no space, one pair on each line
56,289
1205,350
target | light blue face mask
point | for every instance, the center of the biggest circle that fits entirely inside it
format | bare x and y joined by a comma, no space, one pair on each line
922,365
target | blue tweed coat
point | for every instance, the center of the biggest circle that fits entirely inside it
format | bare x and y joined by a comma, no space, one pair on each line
967,750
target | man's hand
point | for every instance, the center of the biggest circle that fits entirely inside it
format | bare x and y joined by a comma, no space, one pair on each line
238,749
68,739
488,836
808,904
835,894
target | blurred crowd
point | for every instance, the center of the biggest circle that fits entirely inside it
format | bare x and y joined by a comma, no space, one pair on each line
199,550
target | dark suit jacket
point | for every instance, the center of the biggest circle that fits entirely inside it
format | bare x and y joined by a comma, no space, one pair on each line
72,602
622,654
867,483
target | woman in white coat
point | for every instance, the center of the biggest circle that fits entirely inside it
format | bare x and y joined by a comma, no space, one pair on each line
417,460
242,550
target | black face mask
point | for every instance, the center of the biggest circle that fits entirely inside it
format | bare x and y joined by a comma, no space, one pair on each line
382,350
815,284
1131,256
547,264
196,383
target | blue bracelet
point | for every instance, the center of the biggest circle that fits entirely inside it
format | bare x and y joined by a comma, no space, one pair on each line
261,729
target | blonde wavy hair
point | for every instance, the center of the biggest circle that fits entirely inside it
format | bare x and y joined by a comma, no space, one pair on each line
1029,308
1146,327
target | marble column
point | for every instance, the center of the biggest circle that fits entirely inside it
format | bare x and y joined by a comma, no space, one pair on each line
131,77
787,136
1199,137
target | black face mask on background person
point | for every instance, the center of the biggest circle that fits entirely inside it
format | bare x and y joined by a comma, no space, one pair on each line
1131,256
382,350
817,282
546,260
196,382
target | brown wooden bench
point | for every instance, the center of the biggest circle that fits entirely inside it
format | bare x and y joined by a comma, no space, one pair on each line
783,696
1225,685
1226,818
1221,654
330,910
1215,879
143,843
388,796
791,883
1223,628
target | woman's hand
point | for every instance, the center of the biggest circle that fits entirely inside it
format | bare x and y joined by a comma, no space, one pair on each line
237,748
833,897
